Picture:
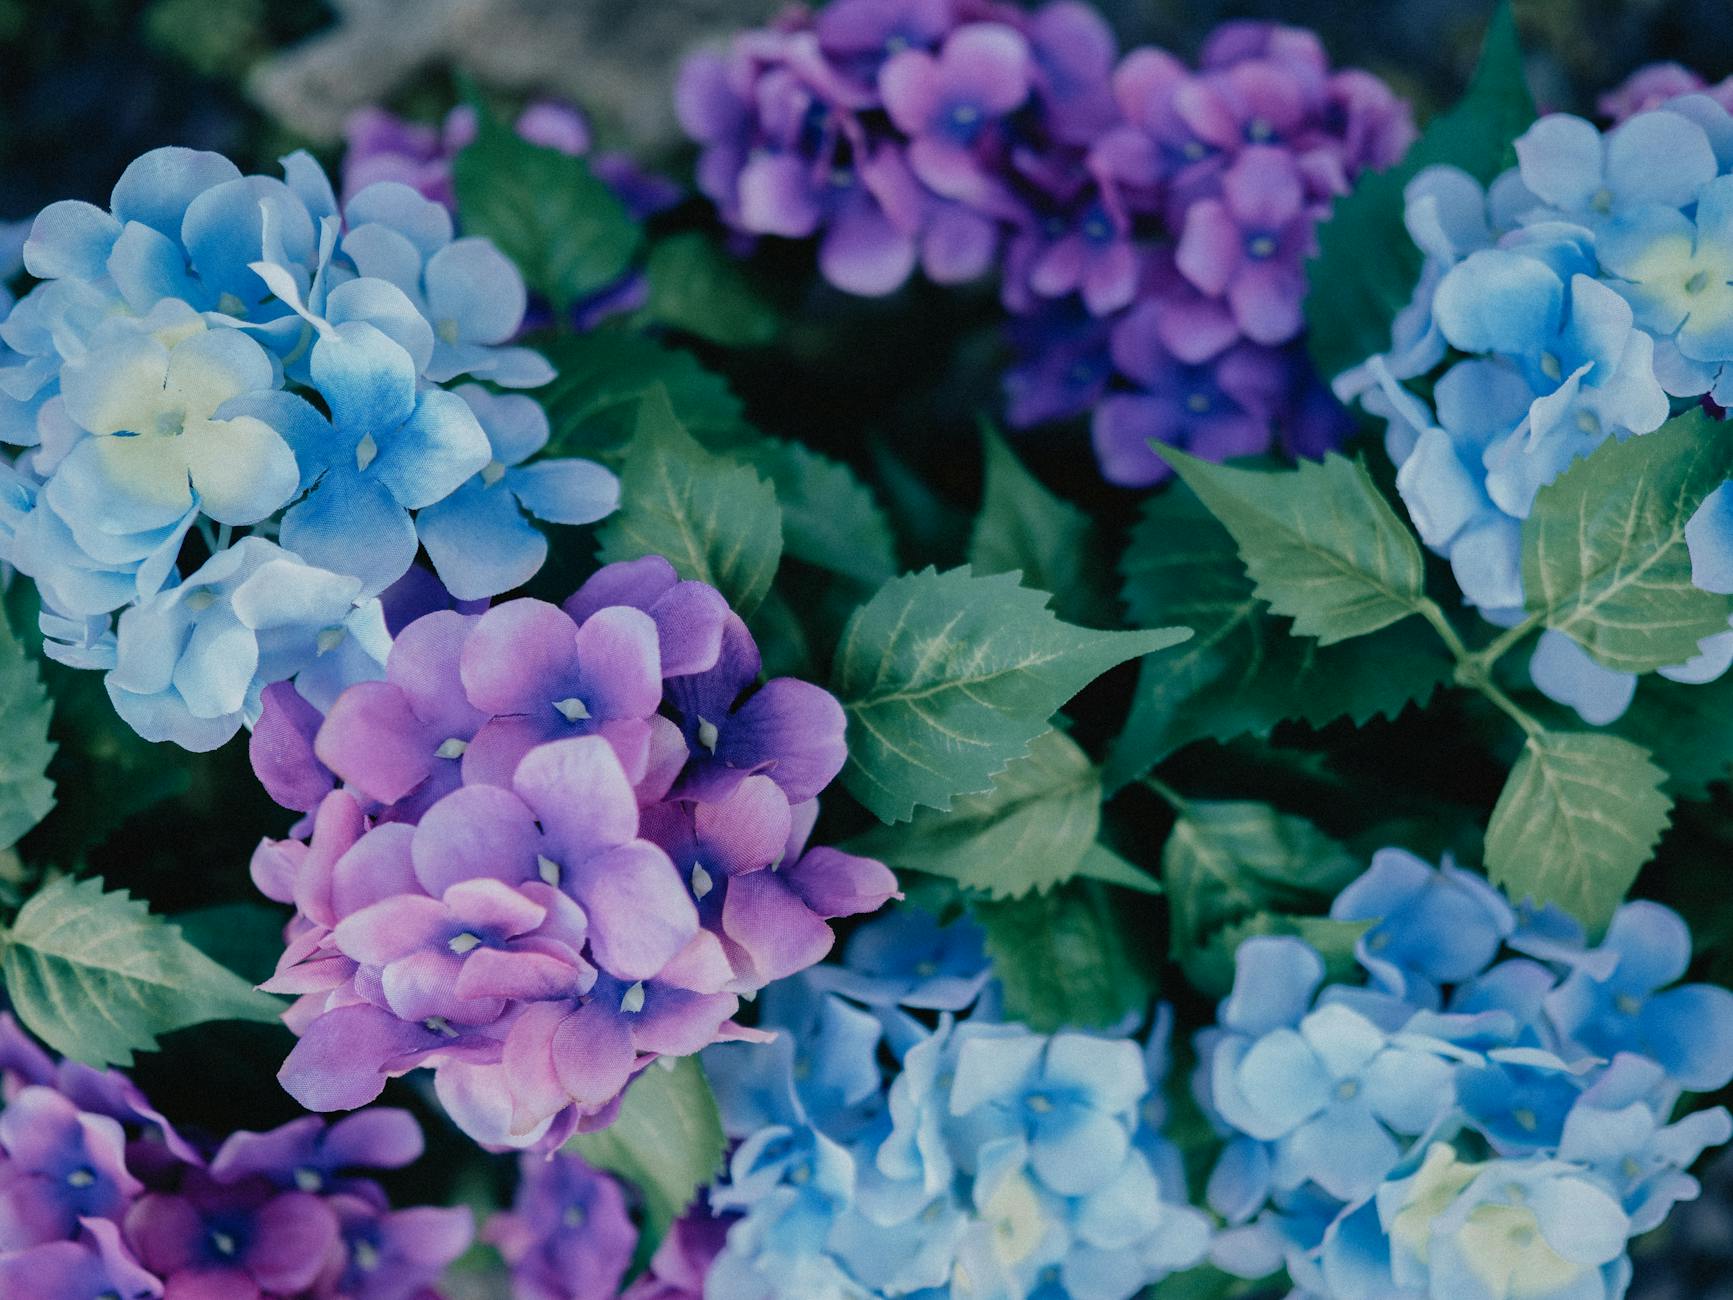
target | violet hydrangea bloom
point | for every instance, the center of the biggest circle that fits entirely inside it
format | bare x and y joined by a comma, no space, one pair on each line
568,841
938,133
567,1235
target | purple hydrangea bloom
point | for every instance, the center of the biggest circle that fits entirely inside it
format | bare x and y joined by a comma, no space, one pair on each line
567,1235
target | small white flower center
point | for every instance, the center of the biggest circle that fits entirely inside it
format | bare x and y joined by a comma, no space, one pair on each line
701,882
465,942
572,709
632,1001
451,747
366,451
707,734
548,870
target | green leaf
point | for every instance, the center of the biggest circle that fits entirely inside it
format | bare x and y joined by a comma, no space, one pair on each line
605,374
1103,864
1604,558
697,287
567,231
245,937
1243,672
26,793
947,677
97,977
1225,864
1070,957
1684,727
1579,816
1323,547
667,1141
1367,264
1031,831
715,520
1024,528
829,517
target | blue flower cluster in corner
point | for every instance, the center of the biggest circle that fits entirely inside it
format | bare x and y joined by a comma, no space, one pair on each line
1490,1114
1584,295
218,353
897,1139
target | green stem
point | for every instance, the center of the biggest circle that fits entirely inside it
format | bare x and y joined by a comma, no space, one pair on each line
1510,708
1501,645
1430,611
1174,798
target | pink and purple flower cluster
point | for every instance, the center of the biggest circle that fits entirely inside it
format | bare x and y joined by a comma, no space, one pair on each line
567,840
1151,220
102,1199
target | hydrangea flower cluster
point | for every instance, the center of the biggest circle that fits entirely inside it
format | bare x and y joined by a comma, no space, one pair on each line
1490,1114
898,1139
1151,220
100,1197
567,841
218,352
567,1235
1582,296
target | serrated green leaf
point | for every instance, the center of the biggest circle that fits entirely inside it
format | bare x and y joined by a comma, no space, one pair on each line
247,938
1103,864
714,520
667,1141
1604,558
947,677
1367,264
1579,816
1071,957
1029,832
567,231
1684,726
1323,547
697,287
97,977
26,793
1243,672
1024,528
829,517
605,374
1226,863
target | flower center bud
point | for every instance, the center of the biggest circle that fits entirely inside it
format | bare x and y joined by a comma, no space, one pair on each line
200,601
451,747
329,639
965,115
1039,1102
223,1243
1697,283
1551,367
1589,423
702,884
169,423
366,451
572,709
1261,246
1628,1003
309,1180
1193,150
447,331
573,1217
366,1256
492,472
1525,1119
926,969
465,942
1348,1089
1197,404
230,305
440,1025
548,870
632,1001
707,734
80,1178
1258,131
1602,200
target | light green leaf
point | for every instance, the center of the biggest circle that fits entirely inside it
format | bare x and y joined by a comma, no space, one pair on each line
1579,816
1024,528
97,977
947,677
1031,831
1684,727
1226,863
1103,864
1074,956
605,374
829,517
1604,558
667,1141
1367,264
567,231
26,793
697,287
1243,672
715,520
1323,547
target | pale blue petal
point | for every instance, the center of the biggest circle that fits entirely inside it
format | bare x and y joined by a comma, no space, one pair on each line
306,179
1560,158
388,309
566,491
1709,536
350,524
516,426
216,664
1487,562
1563,671
1274,979
1497,301
147,266
70,240
1634,148
165,717
403,210
367,380
474,292
438,447
479,542
1079,1156
158,187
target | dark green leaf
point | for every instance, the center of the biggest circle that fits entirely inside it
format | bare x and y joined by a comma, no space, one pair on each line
245,937
1604,558
1024,528
1684,726
26,793
1367,265
1578,818
667,1141
715,520
1070,957
697,287
829,517
947,677
567,231
97,977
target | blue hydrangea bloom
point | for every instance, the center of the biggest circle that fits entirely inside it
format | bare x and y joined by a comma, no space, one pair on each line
1575,299
1482,1030
883,1154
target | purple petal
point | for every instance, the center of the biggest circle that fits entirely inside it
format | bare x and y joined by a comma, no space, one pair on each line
520,658
478,831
